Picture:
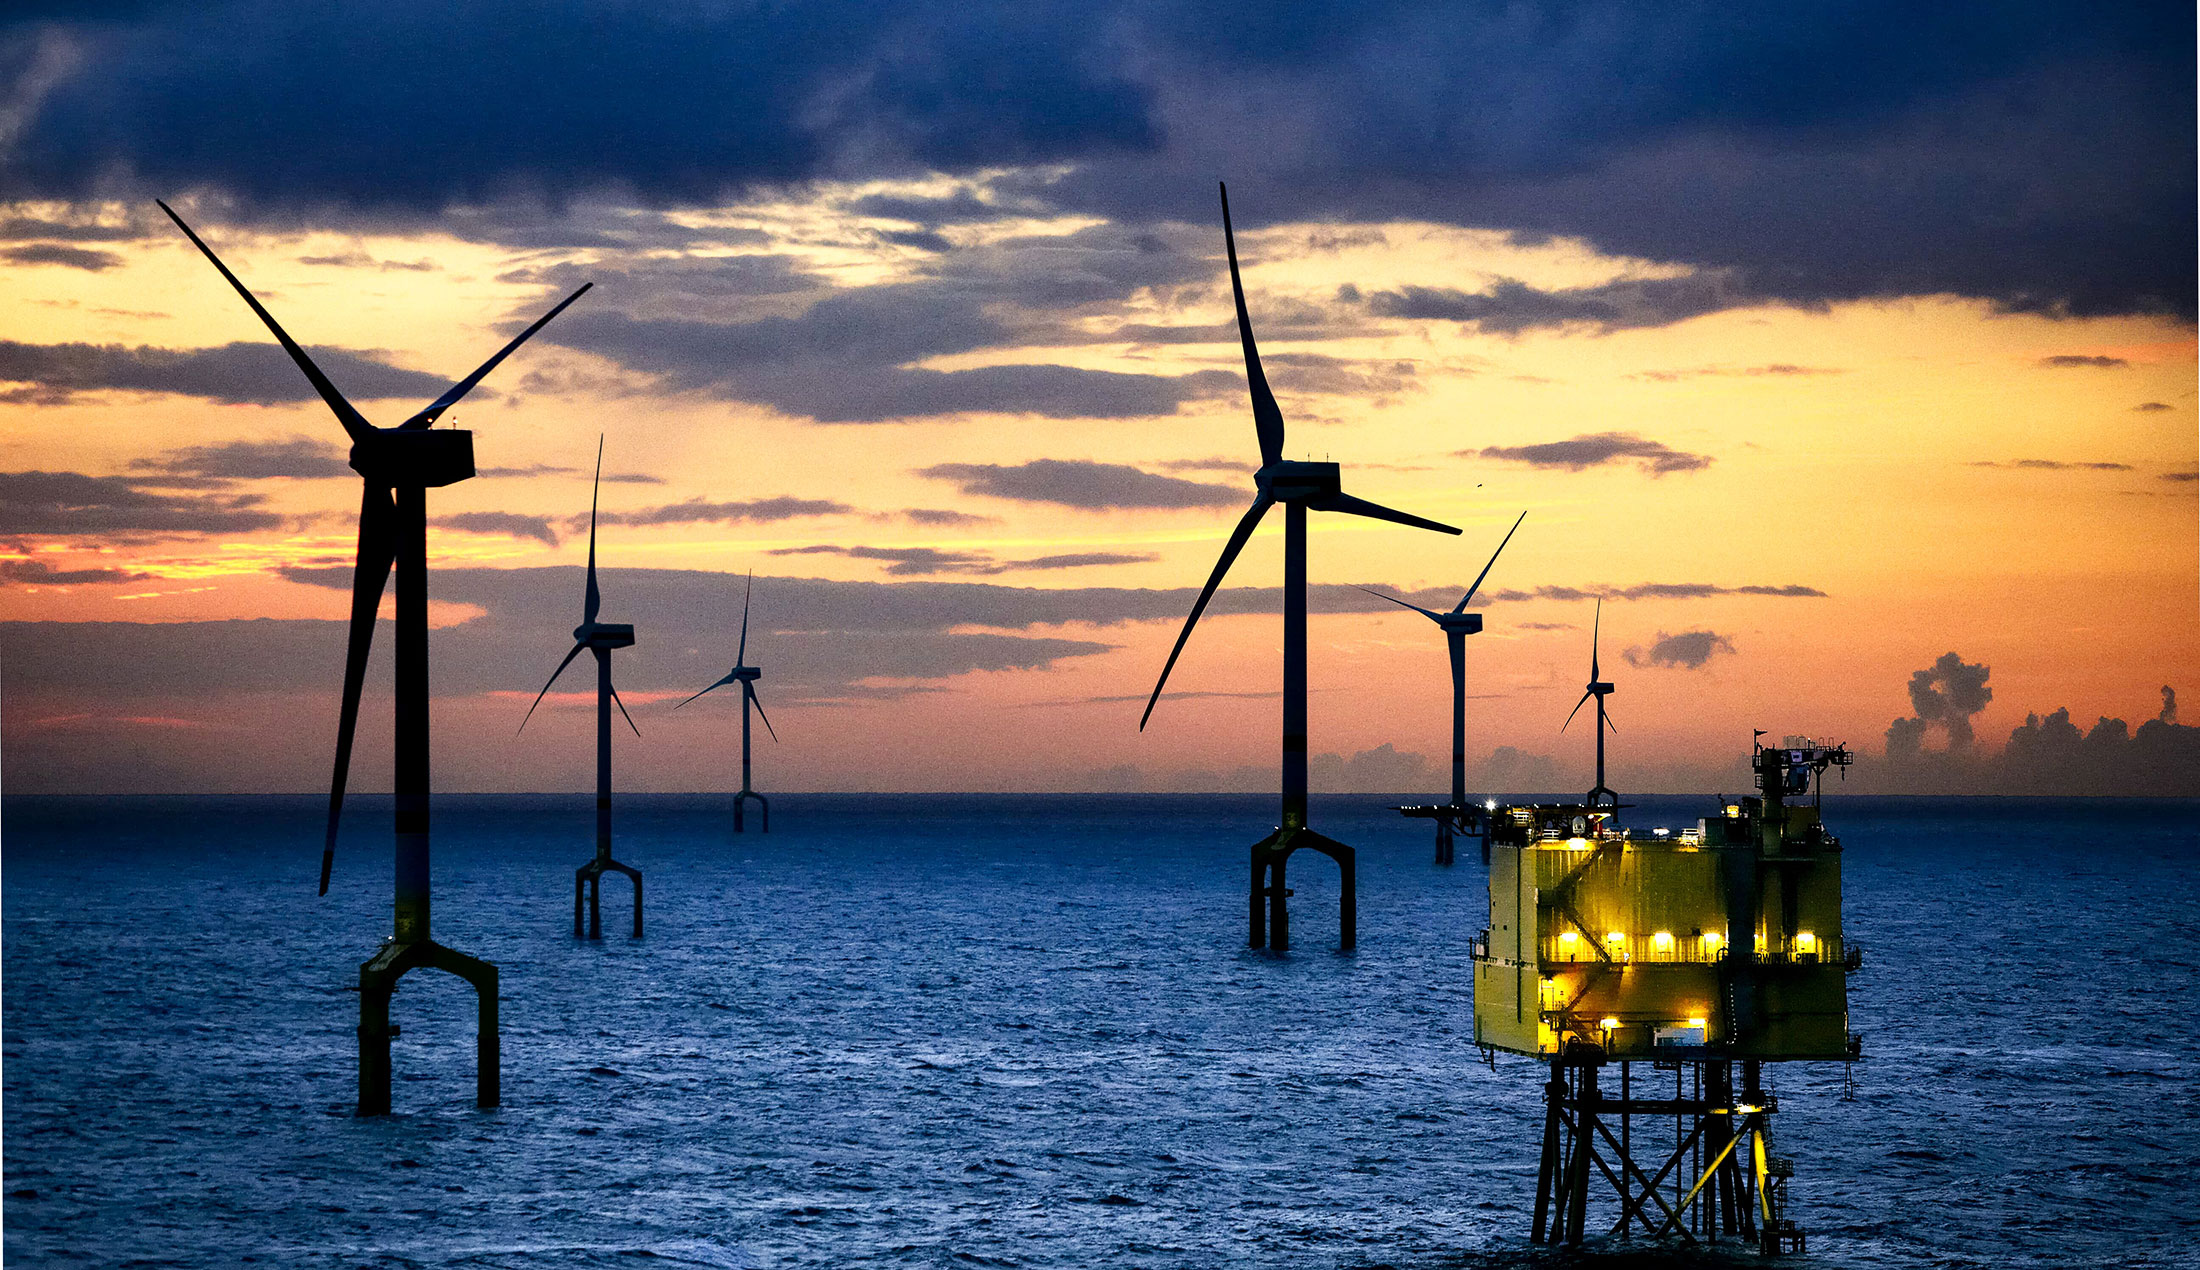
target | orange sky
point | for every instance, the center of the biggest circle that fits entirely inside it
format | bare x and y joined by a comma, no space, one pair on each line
1924,463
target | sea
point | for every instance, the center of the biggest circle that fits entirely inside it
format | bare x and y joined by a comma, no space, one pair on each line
1022,1031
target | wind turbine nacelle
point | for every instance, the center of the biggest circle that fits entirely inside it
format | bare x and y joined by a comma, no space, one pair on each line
1461,623
605,635
747,674
1602,689
422,457
1290,481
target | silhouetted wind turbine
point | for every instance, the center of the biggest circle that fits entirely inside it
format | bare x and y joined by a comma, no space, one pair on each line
1601,795
1457,625
599,638
1298,486
398,466
745,675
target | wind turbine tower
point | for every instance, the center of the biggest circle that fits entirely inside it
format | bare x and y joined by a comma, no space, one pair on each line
1298,486
398,467
1456,625
599,638
1600,795
746,675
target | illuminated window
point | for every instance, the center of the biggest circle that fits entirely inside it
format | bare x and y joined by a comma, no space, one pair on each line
1662,941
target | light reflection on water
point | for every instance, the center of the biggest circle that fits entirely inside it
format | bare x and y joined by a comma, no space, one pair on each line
1018,1031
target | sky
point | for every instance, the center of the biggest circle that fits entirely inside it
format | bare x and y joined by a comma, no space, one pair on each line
1845,353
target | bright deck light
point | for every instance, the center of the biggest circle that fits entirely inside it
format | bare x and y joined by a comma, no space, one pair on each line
1609,1024
1805,940
1615,937
1662,941
1696,1023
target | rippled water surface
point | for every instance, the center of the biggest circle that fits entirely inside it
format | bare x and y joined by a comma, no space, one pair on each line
1019,1031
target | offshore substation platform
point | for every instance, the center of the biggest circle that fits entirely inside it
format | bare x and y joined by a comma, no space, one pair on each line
1704,954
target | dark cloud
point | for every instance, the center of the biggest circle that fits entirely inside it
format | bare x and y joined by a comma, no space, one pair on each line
56,254
1810,152
1511,307
2053,465
1084,484
294,457
1382,770
2068,361
256,373
1594,449
1945,694
752,511
2181,476
2150,407
1317,373
509,524
18,228
43,503
40,573
963,207
942,518
1688,650
931,561
1651,591
854,355
361,260
2050,754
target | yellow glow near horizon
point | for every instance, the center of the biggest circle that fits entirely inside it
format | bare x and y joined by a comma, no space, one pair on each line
1874,451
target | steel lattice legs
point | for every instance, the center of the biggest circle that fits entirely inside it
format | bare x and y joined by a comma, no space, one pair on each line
378,977
1720,1145
1270,891
588,881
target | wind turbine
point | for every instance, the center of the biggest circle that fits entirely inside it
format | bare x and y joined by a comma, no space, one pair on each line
1298,486
599,638
745,675
1601,795
398,466
1456,625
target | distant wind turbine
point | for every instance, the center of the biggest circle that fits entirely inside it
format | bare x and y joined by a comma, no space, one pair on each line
1298,486
1456,625
1601,795
745,675
599,638
398,466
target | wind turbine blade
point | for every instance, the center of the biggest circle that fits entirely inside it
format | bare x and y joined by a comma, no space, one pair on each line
622,708
759,703
1245,526
577,647
450,398
1576,710
1432,616
594,603
1351,506
1267,416
377,544
1607,718
713,688
355,424
741,658
1596,634
1486,568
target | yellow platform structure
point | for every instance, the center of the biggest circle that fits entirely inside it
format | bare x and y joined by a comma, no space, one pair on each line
1698,949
